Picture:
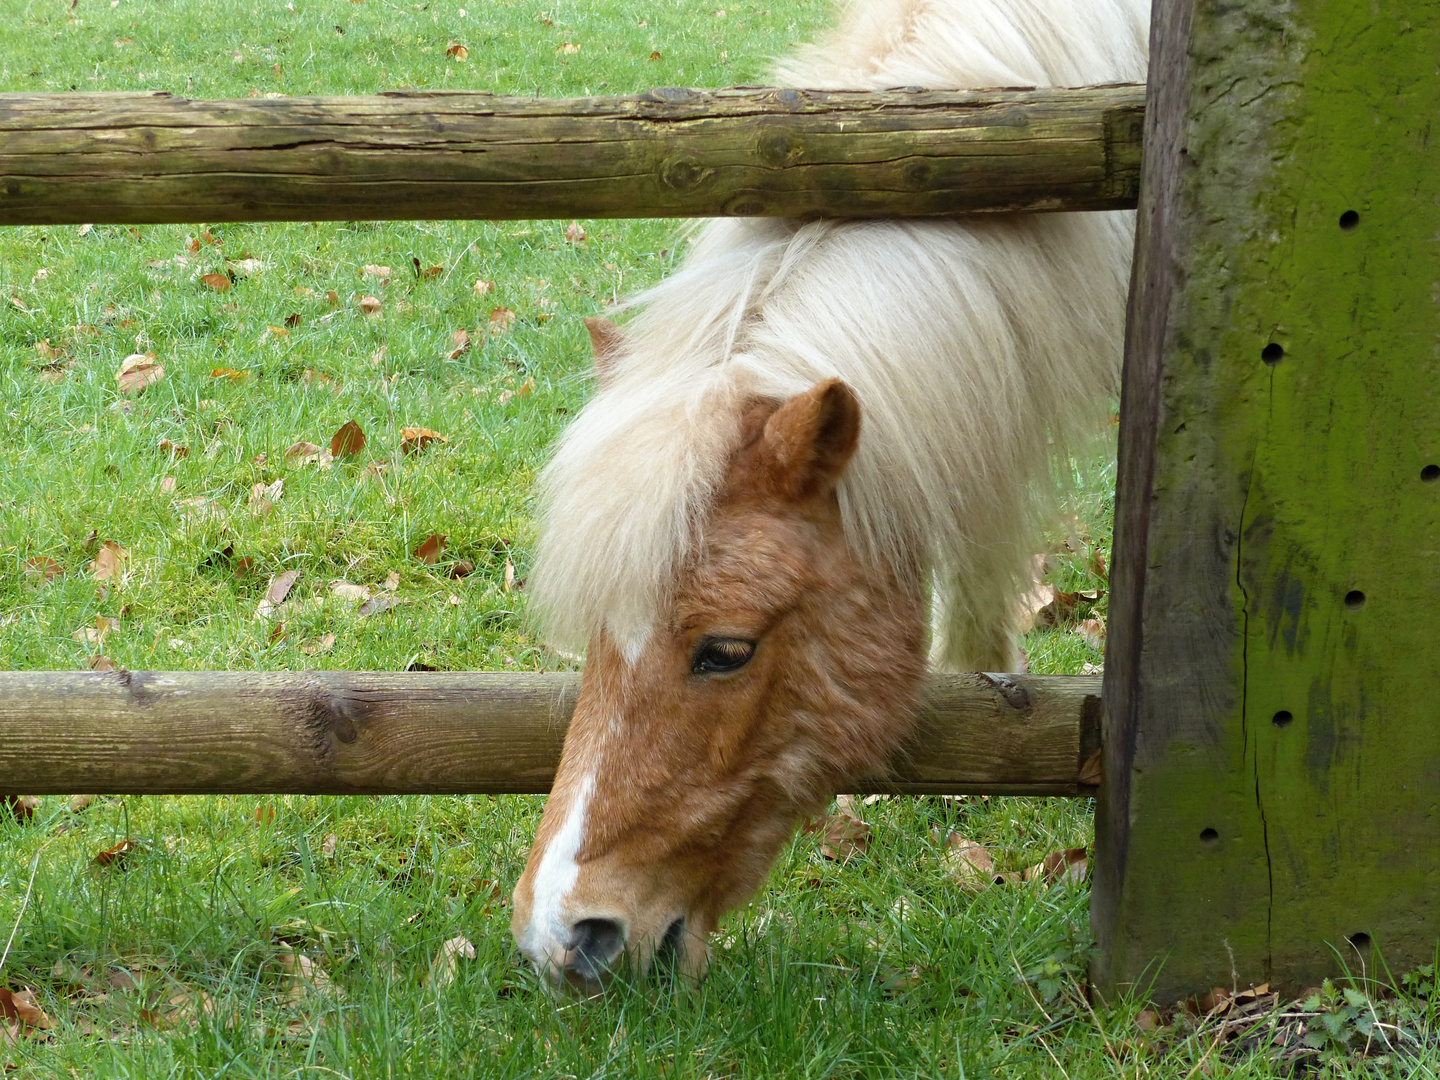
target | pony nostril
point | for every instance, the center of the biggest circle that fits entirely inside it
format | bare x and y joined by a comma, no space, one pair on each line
670,943
595,945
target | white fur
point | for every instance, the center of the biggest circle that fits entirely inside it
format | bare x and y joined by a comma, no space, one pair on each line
976,347
554,878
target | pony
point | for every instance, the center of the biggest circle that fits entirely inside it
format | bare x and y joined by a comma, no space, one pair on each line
815,461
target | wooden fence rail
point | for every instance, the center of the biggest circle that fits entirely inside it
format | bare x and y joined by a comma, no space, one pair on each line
138,158
323,732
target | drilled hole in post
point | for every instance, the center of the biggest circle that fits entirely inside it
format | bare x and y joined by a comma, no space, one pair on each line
1360,940
1430,474
1283,718
1349,220
1209,836
1354,600
1272,353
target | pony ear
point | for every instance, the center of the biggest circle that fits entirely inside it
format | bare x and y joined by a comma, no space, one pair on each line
809,440
607,342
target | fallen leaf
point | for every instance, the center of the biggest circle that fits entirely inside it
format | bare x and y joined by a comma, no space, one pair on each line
455,601
275,593
446,964
80,803
842,834
413,440
1093,770
328,845
430,551
1097,565
245,267
501,320
655,55
228,373
292,320
119,854
482,287
508,582
324,644
528,386
372,270
21,807
569,48
370,305
461,568
218,282
264,814
311,377
462,342
137,372
40,275
43,568
348,441
344,590
1092,632
19,1006
1148,1020
1067,867
377,604
332,298
110,560
165,446
458,51
392,581
303,976
100,663
263,497
968,864
85,230
574,233
302,453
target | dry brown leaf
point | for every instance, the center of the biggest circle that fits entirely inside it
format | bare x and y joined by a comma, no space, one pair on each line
302,453
415,439
1093,770
461,568
344,590
501,320
372,270
1097,565
328,845
1148,1020
81,803
275,593
167,485
348,441
118,855
569,48
574,233
21,807
482,286
110,560
100,663
430,551
264,814
527,387
137,372
457,51
263,497
446,964
371,305
508,583
1092,632
229,373
165,446
392,581
841,835
655,55
1067,867
324,644
218,282
19,1006
293,320
311,377
332,298
462,342
968,864
43,568
303,976
95,635
377,604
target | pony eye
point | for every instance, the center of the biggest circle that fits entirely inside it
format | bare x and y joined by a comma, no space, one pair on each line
718,655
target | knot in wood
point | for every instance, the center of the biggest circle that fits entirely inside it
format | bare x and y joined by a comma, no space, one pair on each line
672,94
775,148
682,173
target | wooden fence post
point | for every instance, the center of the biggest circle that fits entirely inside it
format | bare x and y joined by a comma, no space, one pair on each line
1271,806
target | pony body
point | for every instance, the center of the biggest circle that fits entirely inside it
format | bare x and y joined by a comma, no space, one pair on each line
973,349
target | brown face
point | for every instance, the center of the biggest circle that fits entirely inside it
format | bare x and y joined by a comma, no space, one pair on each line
782,667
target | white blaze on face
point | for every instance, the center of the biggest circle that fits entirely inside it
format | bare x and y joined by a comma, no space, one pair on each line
549,930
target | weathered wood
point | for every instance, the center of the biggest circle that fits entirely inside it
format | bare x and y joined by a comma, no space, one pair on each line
398,733
1272,757
136,158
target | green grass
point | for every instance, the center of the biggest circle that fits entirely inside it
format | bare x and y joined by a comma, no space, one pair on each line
879,967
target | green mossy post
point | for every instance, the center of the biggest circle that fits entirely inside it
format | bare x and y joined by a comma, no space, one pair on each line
1271,810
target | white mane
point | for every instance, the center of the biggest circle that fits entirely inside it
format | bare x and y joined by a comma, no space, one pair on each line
971,344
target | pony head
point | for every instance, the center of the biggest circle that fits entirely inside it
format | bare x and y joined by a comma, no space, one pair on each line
777,665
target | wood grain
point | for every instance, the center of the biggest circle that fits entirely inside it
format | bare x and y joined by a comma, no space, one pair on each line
137,158
1272,757
220,732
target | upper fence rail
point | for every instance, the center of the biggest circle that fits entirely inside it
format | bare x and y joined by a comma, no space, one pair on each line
154,158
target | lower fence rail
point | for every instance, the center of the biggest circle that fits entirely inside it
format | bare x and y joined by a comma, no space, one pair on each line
392,733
